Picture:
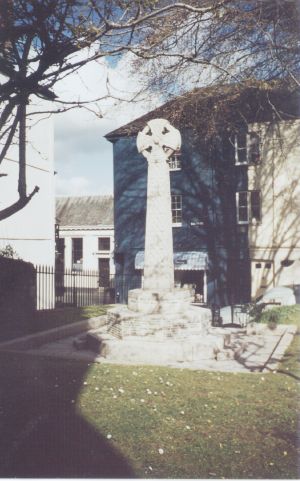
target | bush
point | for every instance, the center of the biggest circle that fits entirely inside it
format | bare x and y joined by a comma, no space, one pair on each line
275,315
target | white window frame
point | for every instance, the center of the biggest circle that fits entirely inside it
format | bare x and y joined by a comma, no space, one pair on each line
177,200
248,206
175,161
246,149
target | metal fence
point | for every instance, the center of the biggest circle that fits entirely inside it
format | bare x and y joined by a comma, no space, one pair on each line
239,316
59,288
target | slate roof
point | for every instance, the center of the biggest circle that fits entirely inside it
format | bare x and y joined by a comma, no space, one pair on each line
255,99
96,210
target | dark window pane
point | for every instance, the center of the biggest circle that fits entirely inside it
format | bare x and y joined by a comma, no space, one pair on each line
243,199
77,252
255,205
104,243
253,148
243,214
240,148
242,206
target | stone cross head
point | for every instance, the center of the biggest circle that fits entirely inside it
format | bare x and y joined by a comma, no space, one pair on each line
158,140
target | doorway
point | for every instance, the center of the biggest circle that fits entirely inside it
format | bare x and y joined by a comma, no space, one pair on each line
194,280
104,272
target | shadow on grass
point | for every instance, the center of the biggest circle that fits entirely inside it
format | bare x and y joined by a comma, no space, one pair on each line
42,433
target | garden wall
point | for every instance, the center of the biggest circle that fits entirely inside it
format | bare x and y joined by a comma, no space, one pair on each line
17,296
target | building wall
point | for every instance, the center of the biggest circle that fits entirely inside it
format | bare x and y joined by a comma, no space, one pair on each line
91,253
276,240
207,183
31,230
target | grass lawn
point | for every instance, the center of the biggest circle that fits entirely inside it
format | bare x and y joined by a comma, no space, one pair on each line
73,419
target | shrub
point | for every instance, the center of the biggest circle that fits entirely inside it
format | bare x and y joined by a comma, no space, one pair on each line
9,252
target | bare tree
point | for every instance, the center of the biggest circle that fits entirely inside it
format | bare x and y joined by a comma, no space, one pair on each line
39,40
235,41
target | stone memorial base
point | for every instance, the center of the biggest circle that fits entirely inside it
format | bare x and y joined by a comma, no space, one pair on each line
163,302
134,349
123,323
156,327
159,327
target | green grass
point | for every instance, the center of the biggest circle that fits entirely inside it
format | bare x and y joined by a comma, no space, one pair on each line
49,319
56,418
282,315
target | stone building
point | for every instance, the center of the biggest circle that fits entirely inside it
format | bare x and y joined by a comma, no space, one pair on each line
235,193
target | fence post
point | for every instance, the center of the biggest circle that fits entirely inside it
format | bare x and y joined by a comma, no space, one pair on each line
74,289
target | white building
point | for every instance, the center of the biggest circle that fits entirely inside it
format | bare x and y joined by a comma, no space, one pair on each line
86,235
31,230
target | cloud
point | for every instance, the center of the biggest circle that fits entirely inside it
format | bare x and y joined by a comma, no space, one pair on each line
81,151
73,186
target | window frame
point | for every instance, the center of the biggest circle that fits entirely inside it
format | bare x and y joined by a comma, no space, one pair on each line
246,146
249,206
101,238
177,208
79,262
175,162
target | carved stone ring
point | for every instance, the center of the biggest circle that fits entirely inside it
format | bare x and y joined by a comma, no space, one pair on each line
158,140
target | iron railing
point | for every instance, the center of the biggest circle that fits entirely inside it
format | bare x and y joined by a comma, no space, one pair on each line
59,288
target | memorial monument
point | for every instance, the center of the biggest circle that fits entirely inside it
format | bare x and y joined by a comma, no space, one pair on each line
159,322
157,142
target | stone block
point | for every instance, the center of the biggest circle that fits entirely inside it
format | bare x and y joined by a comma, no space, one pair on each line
80,343
96,339
151,302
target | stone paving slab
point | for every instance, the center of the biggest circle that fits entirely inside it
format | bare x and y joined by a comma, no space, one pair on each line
262,353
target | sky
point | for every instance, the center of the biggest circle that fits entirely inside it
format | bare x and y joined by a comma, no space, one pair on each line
83,157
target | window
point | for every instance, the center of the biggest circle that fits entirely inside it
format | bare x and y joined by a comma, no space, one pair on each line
176,203
104,243
247,148
77,253
175,161
104,273
248,205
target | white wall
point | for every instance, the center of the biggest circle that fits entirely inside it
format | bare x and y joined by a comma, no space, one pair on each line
277,237
91,254
31,230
